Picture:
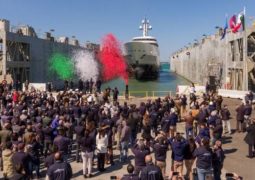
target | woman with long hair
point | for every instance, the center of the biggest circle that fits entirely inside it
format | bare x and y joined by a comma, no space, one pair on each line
101,147
87,148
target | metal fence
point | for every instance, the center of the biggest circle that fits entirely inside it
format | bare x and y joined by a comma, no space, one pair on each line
148,93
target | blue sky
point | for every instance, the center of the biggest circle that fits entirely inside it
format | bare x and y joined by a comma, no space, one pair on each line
175,22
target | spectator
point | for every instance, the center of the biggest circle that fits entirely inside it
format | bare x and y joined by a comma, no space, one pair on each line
87,148
160,148
150,172
124,140
250,138
240,110
60,169
130,175
189,158
225,116
218,159
203,155
23,158
101,147
140,150
178,144
7,160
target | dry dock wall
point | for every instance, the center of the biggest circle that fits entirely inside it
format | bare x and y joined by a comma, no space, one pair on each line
227,62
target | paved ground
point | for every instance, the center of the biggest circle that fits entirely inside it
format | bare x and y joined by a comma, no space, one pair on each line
235,149
234,146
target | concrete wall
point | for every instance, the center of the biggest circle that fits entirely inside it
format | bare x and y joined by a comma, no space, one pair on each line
40,52
214,57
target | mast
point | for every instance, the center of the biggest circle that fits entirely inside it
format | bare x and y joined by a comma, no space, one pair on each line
145,27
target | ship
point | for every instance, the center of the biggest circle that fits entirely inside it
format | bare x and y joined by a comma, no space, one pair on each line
142,54
222,62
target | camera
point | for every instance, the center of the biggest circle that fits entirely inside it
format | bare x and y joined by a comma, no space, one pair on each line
229,175
113,177
175,173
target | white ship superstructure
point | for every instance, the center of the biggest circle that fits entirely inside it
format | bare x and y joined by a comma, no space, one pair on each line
142,54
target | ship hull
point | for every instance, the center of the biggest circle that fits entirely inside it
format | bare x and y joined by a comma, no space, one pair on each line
143,60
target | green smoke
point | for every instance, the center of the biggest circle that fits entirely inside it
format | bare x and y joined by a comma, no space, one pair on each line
62,66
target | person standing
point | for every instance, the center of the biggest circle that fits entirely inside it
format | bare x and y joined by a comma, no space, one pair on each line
160,149
218,159
80,84
225,116
130,175
173,118
140,150
22,158
189,119
62,143
203,155
87,148
189,158
115,94
247,114
178,145
240,110
250,138
60,170
124,140
183,104
79,130
101,147
151,171
7,160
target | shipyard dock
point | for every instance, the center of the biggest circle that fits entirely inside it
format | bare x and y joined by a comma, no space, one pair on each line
224,63
25,56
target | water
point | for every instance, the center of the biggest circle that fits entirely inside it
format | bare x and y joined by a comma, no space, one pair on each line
166,82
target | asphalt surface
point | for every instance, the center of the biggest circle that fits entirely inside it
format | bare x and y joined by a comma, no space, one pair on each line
234,146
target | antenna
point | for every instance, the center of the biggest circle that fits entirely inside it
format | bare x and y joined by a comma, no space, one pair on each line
145,27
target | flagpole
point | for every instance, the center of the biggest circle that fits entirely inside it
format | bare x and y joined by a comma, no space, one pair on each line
245,73
226,56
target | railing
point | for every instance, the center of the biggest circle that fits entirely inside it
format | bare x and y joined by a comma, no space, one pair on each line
152,94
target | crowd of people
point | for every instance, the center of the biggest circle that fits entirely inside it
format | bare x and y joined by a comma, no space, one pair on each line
41,130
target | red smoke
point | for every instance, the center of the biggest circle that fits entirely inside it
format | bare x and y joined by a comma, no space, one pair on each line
113,63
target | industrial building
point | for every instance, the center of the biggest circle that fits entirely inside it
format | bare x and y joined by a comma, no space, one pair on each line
24,56
226,63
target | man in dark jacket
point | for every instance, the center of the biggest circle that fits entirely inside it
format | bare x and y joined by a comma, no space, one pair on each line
151,172
225,116
59,170
218,159
140,150
130,175
160,149
79,130
250,138
240,117
178,145
247,113
62,143
23,158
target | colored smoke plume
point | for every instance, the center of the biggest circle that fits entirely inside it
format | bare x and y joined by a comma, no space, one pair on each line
114,64
62,66
85,65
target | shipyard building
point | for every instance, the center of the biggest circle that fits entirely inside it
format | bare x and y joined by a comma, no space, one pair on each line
25,56
224,63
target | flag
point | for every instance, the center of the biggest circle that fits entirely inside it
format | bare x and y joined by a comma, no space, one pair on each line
225,29
236,22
